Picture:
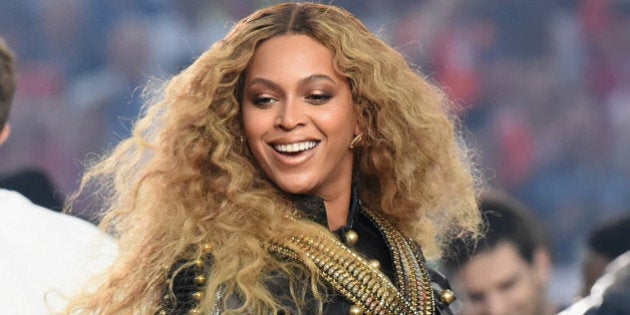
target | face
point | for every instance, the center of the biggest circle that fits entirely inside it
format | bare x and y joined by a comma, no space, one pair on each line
501,282
4,133
298,117
593,267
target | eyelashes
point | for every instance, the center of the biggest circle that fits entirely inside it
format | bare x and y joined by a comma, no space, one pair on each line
262,101
313,98
318,98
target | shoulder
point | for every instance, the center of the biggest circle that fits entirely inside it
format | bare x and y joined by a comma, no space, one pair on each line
29,227
16,210
46,253
10,198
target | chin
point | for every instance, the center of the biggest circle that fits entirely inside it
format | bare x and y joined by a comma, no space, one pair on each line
296,188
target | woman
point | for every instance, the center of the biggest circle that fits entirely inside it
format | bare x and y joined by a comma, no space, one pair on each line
296,167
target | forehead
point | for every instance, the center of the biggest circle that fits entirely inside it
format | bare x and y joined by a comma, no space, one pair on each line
288,55
491,268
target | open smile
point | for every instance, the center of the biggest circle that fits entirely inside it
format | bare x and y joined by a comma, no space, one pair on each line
295,148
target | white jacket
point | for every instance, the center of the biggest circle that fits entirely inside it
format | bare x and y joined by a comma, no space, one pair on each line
45,256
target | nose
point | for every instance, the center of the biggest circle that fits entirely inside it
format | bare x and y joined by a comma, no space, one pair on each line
291,114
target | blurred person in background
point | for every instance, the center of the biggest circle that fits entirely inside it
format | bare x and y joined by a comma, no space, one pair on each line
506,271
604,244
605,270
610,295
46,255
7,88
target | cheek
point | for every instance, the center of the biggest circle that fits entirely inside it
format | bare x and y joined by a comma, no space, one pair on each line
524,291
253,131
335,127
340,122
253,124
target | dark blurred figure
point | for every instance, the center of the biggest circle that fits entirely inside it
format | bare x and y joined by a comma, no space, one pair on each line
610,294
507,270
35,185
605,243
605,271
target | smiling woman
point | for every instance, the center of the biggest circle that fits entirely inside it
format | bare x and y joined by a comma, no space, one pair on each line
298,166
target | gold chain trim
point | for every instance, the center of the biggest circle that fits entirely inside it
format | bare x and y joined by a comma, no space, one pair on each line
411,274
351,275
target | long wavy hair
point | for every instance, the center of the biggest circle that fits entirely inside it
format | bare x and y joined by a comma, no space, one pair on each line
183,177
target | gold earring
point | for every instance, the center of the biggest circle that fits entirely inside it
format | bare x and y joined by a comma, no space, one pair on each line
240,145
356,141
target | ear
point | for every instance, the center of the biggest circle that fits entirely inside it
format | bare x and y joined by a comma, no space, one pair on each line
357,129
4,134
543,264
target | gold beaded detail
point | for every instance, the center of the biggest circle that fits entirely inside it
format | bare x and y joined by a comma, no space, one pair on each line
411,275
357,280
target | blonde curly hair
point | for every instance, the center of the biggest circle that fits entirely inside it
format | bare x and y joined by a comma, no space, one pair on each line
183,178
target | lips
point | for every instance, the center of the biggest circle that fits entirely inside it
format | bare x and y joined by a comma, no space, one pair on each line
296,147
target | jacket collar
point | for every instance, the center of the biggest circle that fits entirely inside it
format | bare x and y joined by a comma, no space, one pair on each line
313,207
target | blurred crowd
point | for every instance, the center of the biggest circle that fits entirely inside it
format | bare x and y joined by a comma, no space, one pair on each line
543,86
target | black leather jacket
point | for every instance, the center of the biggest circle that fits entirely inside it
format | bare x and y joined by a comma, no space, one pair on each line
371,244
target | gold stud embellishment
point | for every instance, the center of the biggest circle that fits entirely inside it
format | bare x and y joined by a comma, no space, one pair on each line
447,296
375,264
355,310
206,248
200,279
199,263
197,296
351,237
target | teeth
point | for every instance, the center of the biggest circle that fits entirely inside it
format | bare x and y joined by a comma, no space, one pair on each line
295,147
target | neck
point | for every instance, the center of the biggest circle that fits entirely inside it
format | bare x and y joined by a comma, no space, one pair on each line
332,212
337,211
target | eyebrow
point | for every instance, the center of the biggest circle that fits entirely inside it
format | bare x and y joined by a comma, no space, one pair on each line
317,77
310,78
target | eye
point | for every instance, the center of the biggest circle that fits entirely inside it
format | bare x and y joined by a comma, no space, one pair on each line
262,101
476,297
318,98
509,283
